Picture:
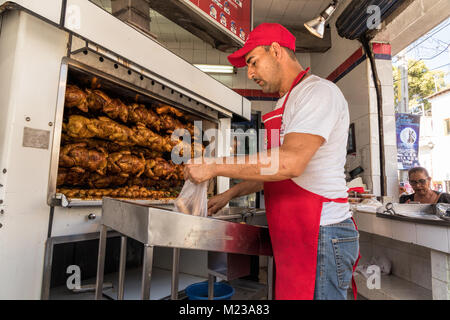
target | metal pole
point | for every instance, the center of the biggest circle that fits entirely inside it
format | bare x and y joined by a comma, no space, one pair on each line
404,105
211,282
175,269
101,262
48,258
122,266
270,279
147,272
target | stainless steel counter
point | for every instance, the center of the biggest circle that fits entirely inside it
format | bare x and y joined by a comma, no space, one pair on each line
160,226
418,213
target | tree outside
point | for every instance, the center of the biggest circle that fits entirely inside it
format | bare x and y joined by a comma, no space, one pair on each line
422,83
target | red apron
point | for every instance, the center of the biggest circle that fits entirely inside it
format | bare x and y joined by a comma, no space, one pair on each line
293,216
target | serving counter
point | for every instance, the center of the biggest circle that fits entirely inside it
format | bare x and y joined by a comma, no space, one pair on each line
419,251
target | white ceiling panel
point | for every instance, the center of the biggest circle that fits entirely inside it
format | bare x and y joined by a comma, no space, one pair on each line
289,12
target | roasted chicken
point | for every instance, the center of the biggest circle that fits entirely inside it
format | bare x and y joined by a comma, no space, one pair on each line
125,164
110,147
166,109
97,100
171,184
138,113
116,109
144,137
134,192
169,124
78,155
75,97
195,149
98,181
72,176
77,127
160,169
102,157
103,127
108,129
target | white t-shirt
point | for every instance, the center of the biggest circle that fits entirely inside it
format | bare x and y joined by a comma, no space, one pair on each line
317,106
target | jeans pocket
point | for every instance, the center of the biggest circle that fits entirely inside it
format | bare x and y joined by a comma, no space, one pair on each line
345,253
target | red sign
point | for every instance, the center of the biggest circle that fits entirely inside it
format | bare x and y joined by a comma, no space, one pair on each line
233,15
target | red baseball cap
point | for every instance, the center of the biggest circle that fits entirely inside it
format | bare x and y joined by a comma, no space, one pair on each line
263,35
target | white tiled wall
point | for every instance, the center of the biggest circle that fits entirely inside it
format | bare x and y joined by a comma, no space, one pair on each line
199,52
433,236
409,262
404,231
440,272
440,290
440,266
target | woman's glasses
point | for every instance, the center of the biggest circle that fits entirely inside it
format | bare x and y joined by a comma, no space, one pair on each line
416,182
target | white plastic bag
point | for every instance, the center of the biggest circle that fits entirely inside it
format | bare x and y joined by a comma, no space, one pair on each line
193,199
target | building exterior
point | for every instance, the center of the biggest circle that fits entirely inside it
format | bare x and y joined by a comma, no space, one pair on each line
441,130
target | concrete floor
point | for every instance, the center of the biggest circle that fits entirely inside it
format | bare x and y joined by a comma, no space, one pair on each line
160,287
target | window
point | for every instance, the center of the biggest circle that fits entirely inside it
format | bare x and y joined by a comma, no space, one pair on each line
447,127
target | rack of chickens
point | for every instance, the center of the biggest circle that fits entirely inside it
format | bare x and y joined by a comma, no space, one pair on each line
109,148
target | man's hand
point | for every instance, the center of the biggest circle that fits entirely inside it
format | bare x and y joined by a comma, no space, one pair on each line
238,190
197,173
218,202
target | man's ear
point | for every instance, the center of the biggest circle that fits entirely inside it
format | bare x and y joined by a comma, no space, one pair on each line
276,49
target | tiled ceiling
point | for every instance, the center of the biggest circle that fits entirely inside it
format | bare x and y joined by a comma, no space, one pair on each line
288,12
291,13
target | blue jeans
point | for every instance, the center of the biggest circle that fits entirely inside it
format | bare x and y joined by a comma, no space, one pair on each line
336,254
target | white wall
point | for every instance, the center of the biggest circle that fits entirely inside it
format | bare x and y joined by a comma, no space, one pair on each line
441,150
426,137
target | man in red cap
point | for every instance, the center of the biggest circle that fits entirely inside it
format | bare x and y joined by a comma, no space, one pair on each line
314,239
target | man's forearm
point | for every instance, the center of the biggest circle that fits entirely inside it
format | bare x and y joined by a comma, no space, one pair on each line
282,163
263,167
244,188
277,164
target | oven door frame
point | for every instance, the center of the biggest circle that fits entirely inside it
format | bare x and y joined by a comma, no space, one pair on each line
59,199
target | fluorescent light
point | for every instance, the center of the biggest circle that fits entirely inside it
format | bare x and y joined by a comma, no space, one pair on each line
215,68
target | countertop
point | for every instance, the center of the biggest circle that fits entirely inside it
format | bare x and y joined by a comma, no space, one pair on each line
435,237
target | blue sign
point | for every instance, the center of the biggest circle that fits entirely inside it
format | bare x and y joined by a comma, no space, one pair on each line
408,131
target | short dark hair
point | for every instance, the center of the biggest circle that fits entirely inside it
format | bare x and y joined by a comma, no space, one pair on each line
289,51
418,169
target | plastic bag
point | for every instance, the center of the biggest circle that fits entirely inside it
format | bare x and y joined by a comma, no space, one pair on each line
193,199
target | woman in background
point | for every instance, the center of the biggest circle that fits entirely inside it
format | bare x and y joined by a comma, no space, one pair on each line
420,181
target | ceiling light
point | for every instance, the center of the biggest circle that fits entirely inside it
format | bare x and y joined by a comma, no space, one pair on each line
208,68
317,26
